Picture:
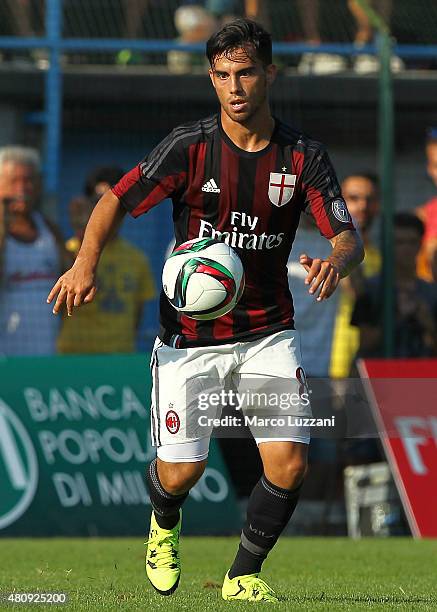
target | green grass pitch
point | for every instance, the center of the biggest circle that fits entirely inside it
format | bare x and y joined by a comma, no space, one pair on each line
310,574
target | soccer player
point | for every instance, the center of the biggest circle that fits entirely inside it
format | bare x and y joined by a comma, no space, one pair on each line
244,175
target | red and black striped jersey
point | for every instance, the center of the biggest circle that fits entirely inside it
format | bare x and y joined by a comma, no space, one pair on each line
251,200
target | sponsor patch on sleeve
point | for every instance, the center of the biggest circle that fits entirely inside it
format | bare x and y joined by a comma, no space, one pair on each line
340,210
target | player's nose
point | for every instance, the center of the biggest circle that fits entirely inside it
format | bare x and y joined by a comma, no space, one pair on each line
235,86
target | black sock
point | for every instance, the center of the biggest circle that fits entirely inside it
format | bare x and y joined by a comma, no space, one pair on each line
165,505
268,512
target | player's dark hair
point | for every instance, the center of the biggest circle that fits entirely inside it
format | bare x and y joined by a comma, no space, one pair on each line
406,220
241,34
102,174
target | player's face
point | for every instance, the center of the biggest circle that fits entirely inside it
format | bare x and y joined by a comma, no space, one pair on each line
431,154
19,187
241,84
361,199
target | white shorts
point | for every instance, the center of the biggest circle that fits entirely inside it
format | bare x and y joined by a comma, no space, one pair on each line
183,379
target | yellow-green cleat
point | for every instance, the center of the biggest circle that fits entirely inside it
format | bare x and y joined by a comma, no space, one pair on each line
163,565
247,588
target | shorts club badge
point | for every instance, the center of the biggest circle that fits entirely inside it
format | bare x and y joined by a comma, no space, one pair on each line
172,422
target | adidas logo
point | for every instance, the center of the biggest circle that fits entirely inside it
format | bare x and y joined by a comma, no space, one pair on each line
211,186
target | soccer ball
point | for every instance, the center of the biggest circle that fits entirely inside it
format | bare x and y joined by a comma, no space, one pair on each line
203,278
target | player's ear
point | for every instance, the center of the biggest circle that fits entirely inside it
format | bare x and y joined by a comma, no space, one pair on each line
211,76
271,72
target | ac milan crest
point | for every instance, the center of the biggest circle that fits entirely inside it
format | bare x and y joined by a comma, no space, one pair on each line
281,188
172,422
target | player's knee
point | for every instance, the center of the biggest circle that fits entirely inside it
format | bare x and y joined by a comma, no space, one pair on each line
289,474
178,478
294,472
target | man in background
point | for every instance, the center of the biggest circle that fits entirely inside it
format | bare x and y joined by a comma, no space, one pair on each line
100,179
110,323
361,193
31,257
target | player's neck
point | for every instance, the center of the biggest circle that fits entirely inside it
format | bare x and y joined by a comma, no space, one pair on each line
252,136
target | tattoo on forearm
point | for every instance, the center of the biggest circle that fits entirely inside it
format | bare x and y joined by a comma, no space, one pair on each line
347,253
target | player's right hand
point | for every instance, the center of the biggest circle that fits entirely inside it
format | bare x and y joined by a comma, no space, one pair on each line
77,286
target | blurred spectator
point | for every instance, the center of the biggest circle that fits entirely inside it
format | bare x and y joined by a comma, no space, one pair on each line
100,179
32,256
80,209
109,324
415,300
195,24
316,63
196,21
365,63
328,63
361,192
427,260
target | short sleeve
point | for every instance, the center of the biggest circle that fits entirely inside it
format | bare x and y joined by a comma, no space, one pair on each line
322,194
159,176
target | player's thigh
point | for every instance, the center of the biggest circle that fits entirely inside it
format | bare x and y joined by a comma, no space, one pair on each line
272,382
181,380
277,355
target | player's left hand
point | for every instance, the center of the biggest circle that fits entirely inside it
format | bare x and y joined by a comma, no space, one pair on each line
322,276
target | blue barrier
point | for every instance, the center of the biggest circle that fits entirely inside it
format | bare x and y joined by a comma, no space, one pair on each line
163,46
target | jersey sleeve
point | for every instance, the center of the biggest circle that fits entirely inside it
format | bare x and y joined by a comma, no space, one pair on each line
159,176
322,194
